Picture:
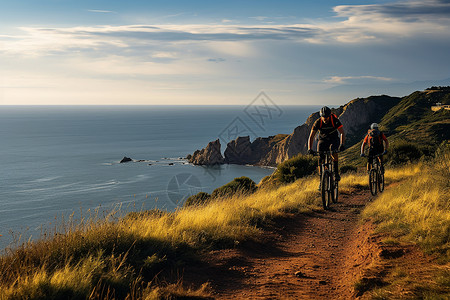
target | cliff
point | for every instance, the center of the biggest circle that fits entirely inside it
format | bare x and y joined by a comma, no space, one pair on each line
356,116
210,155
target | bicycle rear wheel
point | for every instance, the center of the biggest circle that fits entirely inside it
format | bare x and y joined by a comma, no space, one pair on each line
373,181
380,181
326,189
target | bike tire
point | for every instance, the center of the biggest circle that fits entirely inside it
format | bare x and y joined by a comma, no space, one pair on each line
373,181
380,182
325,190
335,192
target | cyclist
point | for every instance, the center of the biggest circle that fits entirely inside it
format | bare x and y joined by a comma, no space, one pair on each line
329,127
378,144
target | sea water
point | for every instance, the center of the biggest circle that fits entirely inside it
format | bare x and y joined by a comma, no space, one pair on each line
57,160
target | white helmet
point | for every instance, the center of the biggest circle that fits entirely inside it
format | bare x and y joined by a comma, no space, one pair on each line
374,126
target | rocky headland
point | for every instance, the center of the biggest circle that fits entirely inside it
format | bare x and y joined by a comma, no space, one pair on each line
356,116
211,155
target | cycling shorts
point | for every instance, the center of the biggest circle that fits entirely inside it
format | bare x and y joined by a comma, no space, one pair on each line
324,144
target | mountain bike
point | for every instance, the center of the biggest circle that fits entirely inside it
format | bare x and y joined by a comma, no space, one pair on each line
329,187
376,176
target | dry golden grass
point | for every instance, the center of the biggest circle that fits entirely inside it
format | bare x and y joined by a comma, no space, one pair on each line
112,257
418,208
109,255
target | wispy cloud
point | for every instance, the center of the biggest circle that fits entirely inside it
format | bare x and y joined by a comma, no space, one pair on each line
353,79
102,11
217,60
381,23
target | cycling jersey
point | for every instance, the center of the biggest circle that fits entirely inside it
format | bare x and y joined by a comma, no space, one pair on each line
327,131
375,142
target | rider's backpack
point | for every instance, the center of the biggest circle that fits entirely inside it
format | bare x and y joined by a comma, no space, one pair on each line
375,140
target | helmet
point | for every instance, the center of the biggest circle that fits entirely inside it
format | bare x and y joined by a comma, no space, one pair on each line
374,126
325,112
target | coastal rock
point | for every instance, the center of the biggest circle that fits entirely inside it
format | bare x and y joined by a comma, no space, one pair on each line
125,160
239,151
210,155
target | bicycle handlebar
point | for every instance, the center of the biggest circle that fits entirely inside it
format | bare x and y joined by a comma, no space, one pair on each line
377,155
329,151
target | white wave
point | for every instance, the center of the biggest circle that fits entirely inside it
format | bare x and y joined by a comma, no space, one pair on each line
43,189
45,179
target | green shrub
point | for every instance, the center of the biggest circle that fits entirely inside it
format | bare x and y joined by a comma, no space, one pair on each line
198,199
243,185
295,168
403,152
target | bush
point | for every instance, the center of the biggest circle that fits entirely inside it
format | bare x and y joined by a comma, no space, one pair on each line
403,153
198,199
295,168
243,185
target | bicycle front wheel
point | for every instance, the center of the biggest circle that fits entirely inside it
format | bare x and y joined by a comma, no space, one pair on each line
373,181
335,191
380,181
326,189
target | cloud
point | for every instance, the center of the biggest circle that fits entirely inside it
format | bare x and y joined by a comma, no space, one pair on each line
217,60
356,24
411,10
102,11
259,18
355,79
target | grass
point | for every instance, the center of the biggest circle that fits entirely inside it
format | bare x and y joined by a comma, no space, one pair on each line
417,211
119,257
124,257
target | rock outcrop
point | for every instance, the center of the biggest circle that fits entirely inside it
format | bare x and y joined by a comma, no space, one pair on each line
241,151
210,155
125,160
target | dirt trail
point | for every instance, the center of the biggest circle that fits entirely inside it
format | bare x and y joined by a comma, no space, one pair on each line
320,255
313,256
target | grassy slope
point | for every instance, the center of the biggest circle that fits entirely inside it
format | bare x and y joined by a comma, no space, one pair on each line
411,120
417,211
122,256
113,257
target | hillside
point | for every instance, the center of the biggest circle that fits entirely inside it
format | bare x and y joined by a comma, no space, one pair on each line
271,241
413,121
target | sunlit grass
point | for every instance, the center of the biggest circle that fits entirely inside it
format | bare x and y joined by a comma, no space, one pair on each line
113,257
114,251
417,209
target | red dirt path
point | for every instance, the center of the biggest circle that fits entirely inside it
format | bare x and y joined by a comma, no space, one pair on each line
315,256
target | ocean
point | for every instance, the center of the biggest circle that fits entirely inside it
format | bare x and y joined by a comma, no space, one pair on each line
59,160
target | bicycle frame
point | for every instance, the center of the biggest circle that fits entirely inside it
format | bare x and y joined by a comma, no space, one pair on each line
376,177
329,185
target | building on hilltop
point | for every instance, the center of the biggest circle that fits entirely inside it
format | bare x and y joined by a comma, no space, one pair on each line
439,106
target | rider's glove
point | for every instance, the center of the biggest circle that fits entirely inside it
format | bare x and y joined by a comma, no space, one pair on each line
363,155
310,151
341,147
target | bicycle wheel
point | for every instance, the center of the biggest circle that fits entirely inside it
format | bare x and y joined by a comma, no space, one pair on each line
335,192
326,191
373,181
380,181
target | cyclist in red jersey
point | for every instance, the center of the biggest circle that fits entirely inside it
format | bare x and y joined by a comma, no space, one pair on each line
331,133
378,144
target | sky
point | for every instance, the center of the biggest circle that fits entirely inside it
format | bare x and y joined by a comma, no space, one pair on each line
57,52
